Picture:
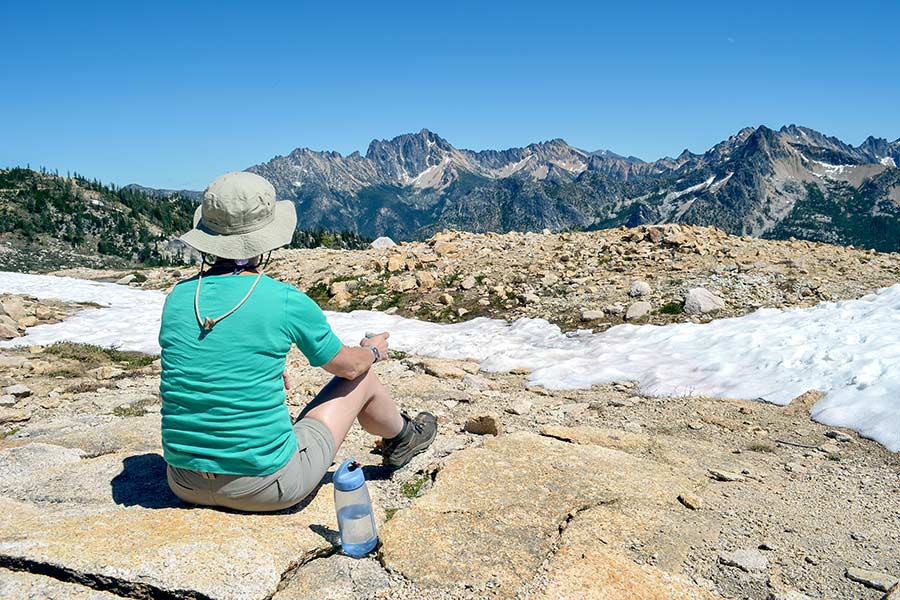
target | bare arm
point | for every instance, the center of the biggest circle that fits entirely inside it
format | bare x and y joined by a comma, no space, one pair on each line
350,363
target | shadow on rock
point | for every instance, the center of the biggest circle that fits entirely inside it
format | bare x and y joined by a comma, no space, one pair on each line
330,535
142,482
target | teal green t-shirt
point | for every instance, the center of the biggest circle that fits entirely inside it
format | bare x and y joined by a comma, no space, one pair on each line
223,400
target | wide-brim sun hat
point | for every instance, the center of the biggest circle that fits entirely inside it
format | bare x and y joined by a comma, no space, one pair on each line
240,218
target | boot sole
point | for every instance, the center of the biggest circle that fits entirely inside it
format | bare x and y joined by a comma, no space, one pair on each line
419,449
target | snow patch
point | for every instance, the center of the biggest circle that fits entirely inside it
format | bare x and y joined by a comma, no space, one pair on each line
694,188
830,171
887,161
848,350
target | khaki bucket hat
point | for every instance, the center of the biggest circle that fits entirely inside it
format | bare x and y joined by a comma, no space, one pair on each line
240,218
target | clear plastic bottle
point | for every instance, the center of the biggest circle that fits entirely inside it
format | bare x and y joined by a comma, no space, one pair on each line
354,509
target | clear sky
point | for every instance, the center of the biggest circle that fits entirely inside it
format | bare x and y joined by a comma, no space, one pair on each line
173,94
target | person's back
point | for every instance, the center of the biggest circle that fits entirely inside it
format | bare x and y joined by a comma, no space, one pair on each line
223,393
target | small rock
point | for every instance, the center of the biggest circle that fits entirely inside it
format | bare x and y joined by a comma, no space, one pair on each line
396,262
105,372
592,315
520,407
7,400
639,288
858,536
695,425
614,309
441,370
839,436
637,310
18,390
746,559
13,415
425,279
468,283
788,595
29,321
382,242
700,300
8,332
126,279
486,424
720,475
531,298
872,579
691,501
829,449
446,299
620,402
42,312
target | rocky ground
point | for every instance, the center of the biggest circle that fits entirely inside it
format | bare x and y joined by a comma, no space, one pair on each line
527,493
577,280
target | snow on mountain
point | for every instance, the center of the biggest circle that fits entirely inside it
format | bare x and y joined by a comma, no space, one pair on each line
848,350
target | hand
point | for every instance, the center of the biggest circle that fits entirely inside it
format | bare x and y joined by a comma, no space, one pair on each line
287,381
379,341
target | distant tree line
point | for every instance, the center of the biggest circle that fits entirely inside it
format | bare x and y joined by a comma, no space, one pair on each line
113,221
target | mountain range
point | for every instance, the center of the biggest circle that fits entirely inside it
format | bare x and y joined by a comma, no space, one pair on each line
760,182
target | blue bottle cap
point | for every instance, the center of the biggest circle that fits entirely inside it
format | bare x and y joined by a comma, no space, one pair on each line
349,476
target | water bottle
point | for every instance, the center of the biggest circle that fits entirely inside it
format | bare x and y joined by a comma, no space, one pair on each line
354,509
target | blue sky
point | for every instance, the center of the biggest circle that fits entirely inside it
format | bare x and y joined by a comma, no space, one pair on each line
173,94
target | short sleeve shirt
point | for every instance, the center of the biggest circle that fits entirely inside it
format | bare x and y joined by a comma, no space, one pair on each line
223,399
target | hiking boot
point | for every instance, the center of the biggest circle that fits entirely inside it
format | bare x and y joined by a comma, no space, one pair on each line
415,438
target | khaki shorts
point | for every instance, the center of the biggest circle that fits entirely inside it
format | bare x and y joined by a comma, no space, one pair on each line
279,490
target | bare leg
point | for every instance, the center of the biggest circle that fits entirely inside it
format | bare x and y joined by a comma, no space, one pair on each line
364,399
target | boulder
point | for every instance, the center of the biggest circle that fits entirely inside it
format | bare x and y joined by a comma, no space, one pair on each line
640,288
8,330
13,415
126,279
441,369
106,372
637,310
18,390
592,315
486,424
425,280
382,242
468,283
872,579
396,262
700,300
520,407
14,308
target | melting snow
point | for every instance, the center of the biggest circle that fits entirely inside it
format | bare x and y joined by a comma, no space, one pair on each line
849,350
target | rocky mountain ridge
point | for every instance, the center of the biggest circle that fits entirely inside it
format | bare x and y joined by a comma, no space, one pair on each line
760,182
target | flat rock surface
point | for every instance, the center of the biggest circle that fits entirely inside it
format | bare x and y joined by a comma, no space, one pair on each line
495,511
585,567
16,585
337,577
